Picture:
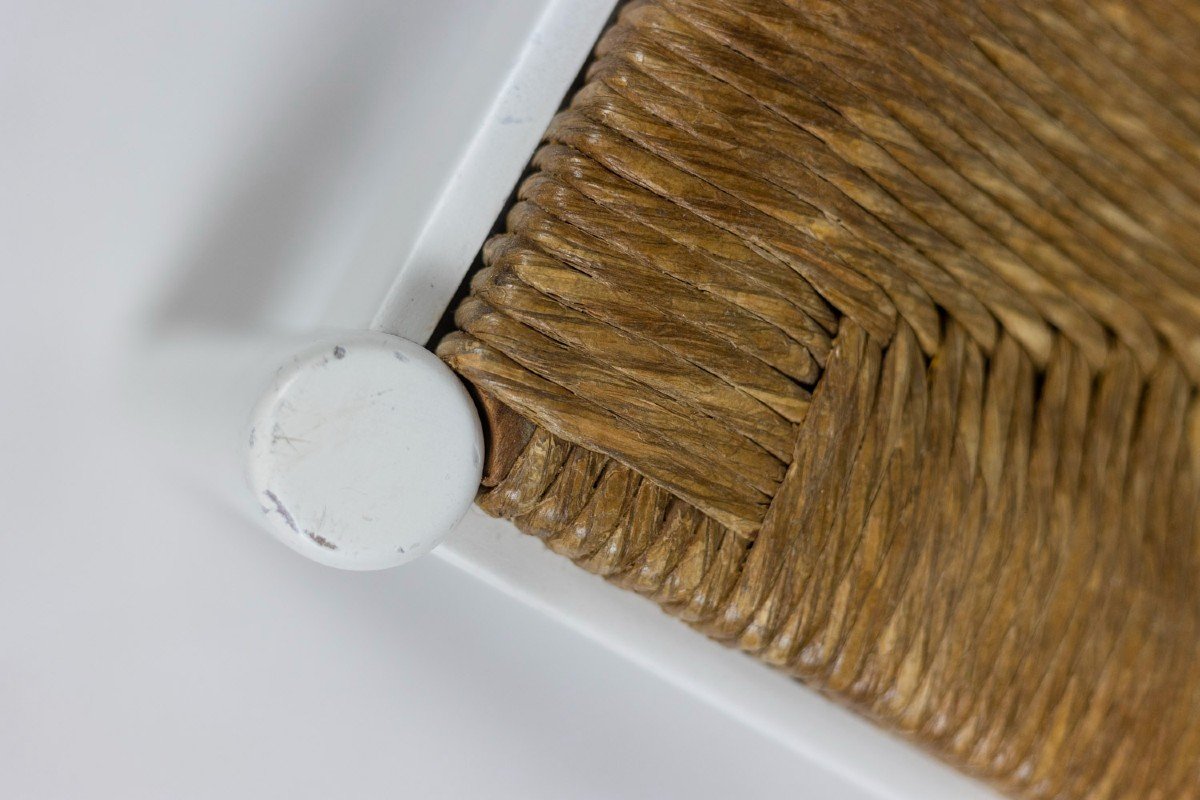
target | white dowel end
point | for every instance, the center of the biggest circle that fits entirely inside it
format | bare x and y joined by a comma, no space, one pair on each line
364,451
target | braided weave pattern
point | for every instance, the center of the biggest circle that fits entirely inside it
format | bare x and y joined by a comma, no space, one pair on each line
864,335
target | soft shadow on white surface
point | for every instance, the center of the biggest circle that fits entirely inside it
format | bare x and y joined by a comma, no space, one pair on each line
152,645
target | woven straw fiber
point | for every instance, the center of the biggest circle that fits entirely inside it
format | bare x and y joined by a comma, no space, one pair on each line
864,336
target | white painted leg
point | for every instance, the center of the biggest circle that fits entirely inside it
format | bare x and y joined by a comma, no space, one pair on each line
361,449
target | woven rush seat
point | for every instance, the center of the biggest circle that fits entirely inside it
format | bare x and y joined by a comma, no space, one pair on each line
864,336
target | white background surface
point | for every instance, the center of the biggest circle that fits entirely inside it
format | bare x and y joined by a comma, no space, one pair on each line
152,645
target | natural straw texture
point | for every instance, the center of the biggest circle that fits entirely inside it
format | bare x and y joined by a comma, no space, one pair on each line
864,335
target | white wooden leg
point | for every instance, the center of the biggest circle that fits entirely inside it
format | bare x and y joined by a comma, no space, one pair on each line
361,449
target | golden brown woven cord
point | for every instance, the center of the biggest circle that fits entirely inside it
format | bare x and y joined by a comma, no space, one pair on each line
864,335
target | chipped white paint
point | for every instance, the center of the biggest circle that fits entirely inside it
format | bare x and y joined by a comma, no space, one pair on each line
364,451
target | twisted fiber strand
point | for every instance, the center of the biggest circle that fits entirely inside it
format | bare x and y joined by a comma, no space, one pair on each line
745,77
622,309
790,340
1010,111
1073,235
973,217
729,323
865,337
643,360
688,249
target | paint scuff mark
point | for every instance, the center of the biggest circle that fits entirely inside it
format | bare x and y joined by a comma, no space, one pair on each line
320,540
277,436
281,509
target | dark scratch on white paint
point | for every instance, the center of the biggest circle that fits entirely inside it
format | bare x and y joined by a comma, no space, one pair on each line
281,509
320,540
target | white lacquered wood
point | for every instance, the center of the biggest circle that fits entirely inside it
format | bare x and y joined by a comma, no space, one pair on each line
364,451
